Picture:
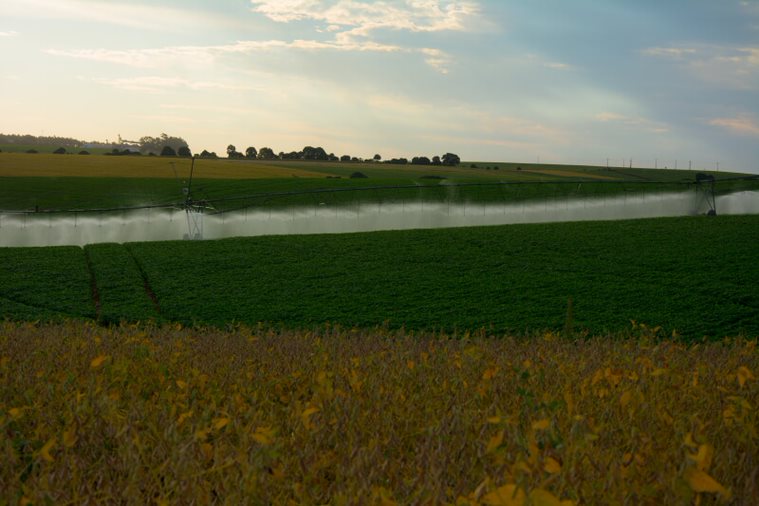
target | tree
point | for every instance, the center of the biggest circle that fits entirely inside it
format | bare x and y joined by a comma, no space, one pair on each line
251,152
232,152
451,159
266,154
168,151
184,151
345,158
420,160
150,144
377,158
311,153
60,151
436,160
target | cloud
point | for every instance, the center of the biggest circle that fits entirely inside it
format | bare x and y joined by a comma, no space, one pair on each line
353,22
8,34
742,125
154,84
365,17
632,121
732,67
669,52
558,66
193,56
199,55
350,26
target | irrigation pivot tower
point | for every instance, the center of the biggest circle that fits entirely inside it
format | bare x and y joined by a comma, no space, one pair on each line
194,210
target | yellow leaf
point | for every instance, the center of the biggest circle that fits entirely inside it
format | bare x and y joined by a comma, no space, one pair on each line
703,458
489,373
309,411
264,435
98,361
625,398
541,424
69,437
507,495
410,364
16,412
552,465
699,481
45,450
658,372
184,416
181,384
220,423
494,419
494,442
744,375
689,440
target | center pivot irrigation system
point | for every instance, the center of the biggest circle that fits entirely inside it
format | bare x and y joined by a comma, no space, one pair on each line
196,204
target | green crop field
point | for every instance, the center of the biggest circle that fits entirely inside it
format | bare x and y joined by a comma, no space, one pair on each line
46,182
696,276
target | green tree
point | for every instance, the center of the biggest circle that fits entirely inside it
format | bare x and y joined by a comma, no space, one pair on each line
266,154
451,159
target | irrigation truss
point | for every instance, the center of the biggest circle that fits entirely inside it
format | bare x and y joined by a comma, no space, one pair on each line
484,192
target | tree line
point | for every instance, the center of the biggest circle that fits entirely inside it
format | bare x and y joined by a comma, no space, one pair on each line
320,154
166,145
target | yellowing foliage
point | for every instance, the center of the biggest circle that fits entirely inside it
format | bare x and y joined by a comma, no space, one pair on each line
167,415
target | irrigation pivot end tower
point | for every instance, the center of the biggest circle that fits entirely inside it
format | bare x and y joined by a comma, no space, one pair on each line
705,184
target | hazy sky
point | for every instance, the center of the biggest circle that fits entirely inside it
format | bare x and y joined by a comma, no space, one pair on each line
577,81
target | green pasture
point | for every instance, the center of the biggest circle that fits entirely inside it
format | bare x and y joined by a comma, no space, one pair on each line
697,276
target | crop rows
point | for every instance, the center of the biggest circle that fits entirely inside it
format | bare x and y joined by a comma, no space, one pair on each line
338,416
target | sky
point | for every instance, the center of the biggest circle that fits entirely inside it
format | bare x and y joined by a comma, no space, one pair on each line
670,83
